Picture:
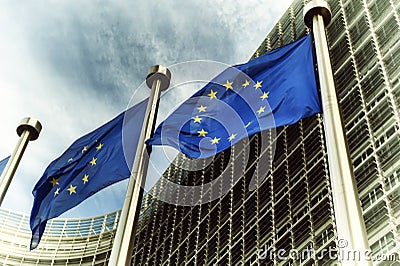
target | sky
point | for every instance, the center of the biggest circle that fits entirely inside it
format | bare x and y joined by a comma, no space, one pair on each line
74,65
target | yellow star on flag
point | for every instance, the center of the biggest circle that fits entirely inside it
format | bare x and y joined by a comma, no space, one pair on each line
70,160
264,96
202,133
232,136
99,146
228,85
213,94
215,140
245,84
261,110
57,191
197,119
201,108
85,179
258,84
93,161
54,181
71,189
84,149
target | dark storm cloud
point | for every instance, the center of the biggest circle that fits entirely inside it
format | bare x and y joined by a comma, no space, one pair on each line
108,48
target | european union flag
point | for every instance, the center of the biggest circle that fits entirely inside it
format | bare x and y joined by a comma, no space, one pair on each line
275,89
90,164
3,164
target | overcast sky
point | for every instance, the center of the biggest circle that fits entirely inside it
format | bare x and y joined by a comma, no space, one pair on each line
76,64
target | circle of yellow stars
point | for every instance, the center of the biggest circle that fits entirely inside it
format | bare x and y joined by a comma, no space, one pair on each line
213,95
72,189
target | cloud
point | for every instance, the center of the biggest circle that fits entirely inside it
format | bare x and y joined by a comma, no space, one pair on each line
75,64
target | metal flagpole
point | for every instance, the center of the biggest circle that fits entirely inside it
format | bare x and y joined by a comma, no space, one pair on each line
28,130
352,235
158,80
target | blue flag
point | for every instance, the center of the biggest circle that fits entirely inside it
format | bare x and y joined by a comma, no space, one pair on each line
90,164
275,89
3,164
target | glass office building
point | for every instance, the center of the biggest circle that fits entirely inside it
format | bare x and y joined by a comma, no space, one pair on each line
292,209
86,241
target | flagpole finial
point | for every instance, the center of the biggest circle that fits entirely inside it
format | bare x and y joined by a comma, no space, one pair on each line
32,125
315,7
161,73
28,130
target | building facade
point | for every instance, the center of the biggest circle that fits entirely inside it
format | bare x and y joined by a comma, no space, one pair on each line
86,241
292,210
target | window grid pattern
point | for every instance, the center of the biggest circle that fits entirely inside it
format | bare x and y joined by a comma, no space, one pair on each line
371,113
86,241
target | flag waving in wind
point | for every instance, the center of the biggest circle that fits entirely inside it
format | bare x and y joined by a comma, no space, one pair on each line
90,164
275,89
